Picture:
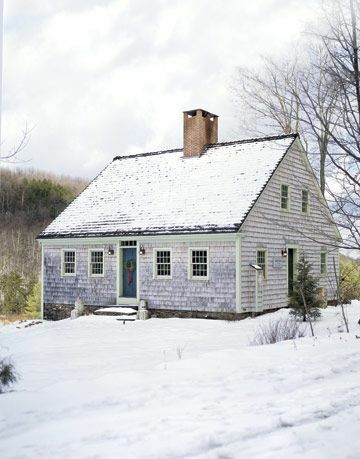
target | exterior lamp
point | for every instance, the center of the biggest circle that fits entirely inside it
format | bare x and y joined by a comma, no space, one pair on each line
284,253
142,250
111,251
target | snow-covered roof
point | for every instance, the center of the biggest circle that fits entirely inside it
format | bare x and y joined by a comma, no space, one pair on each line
163,192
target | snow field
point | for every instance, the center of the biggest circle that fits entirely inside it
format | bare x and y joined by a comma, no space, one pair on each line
95,388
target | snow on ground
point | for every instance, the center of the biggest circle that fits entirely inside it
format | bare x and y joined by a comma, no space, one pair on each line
96,388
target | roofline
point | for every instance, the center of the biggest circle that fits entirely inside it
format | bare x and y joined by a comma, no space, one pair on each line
212,145
178,232
150,153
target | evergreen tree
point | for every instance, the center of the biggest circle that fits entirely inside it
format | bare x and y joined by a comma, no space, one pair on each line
305,301
33,302
13,291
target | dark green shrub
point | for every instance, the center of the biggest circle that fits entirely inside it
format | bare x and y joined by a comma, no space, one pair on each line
305,301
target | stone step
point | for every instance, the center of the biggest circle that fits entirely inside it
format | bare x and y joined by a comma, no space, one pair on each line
124,312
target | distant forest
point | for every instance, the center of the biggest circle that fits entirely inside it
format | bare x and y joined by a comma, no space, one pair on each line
29,201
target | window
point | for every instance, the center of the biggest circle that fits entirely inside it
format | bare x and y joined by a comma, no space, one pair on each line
261,261
96,267
285,197
128,243
198,263
323,263
68,263
305,201
162,268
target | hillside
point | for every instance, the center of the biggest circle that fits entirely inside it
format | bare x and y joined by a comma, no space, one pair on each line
29,200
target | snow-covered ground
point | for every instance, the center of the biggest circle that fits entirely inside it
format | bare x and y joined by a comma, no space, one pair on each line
181,388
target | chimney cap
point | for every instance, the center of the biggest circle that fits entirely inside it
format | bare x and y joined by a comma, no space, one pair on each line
204,112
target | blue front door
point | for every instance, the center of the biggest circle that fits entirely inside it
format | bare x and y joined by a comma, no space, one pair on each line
129,273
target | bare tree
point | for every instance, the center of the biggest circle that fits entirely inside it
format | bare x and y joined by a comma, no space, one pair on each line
320,99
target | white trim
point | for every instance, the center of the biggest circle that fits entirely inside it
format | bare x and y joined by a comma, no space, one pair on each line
63,274
117,272
165,249
295,261
89,262
198,278
120,266
42,285
140,239
238,274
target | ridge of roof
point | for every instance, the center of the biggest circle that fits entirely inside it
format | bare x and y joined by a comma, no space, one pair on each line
212,145
256,139
150,153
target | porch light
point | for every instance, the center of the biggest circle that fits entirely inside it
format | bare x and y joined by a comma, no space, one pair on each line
111,250
284,253
142,250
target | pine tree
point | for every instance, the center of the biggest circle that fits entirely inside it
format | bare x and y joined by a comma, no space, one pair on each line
305,301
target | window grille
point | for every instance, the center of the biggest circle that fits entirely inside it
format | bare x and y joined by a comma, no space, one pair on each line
69,258
97,262
285,197
305,201
163,263
261,261
323,263
199,263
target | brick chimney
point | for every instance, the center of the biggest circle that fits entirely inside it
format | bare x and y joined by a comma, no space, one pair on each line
200,129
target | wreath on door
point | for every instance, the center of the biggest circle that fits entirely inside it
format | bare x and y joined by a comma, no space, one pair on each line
130,267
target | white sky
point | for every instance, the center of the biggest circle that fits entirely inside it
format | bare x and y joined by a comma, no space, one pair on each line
98,78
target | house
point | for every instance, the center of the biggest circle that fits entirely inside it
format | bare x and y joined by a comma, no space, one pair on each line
213,229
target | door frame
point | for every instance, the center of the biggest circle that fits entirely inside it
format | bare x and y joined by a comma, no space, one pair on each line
119,275
294,247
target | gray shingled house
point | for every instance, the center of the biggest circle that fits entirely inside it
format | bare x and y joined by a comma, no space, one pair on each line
209,230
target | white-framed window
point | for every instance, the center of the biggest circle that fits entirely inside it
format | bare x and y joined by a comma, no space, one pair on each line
285,197
162,264
305,201
68,262
199,263
323,263
96,262
261,260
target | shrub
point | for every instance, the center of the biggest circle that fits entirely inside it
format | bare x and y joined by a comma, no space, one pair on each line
8,375
278,330
305,301
14,293
33,302
349,280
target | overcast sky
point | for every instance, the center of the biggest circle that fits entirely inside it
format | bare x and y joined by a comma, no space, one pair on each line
100,78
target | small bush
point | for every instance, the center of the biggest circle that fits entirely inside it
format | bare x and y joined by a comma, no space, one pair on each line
278,330
8,375
349,280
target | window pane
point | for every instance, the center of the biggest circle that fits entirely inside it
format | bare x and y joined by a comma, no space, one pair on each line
261,260
163,263
323,263
284,196
305,201
199,266
97,262
69,262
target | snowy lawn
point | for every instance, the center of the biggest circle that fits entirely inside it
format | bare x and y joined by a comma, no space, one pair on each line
181,388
